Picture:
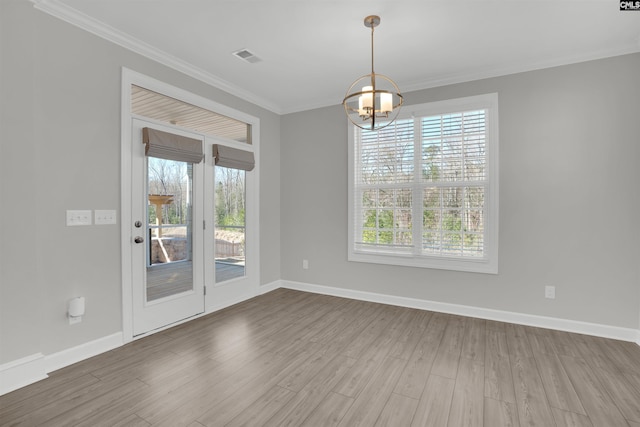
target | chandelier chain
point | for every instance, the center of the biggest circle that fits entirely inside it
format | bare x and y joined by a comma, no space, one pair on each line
372,28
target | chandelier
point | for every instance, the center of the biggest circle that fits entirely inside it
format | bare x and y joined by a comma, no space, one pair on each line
378,103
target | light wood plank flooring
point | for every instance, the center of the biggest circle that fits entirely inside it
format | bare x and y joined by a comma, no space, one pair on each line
291,358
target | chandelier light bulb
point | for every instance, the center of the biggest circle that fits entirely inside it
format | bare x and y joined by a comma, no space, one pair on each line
367,97
386,102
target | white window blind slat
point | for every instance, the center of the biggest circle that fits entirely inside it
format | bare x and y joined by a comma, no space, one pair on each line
450,186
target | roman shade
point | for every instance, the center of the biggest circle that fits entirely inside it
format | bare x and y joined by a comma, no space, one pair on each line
233,158
169,146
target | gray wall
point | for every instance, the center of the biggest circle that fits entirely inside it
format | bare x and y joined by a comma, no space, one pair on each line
60,127
568,154
569,199
20,294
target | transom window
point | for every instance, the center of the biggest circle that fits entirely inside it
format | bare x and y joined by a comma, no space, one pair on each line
424,190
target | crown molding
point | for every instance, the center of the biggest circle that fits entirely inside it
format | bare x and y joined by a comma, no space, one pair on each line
491,72
102,30
72,16
487,73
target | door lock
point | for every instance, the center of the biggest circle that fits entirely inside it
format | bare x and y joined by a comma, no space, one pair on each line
138,239
138,224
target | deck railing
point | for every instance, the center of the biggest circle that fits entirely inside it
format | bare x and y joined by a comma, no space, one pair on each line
228,249
223,248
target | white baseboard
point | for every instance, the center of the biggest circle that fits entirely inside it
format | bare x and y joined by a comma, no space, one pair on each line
230,302
30,369
606,331
84,351
268,287
22,372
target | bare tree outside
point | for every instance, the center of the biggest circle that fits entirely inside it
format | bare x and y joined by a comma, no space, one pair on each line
450,152
169,177
230,211
169,210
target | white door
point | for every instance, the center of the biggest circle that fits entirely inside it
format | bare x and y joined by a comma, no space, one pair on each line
167,247
231,237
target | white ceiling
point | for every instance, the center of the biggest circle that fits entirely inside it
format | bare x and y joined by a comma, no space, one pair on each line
312,51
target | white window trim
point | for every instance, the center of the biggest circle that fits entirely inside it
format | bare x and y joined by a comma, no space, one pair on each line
488,264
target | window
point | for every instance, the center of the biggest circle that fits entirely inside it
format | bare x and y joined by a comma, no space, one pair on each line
230,198
230,223
423,191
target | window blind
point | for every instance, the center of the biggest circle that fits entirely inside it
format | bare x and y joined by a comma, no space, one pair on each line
384,177
165,145
420,187
234,158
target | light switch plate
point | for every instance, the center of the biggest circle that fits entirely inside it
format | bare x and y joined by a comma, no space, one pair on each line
105,217
78,217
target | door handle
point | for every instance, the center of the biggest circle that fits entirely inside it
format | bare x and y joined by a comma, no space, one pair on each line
138,239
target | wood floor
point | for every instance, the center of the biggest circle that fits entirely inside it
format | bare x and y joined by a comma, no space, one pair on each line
291,358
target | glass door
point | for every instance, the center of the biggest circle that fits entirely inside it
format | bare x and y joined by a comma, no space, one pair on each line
167,260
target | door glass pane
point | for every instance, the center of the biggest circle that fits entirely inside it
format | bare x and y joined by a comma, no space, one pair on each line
169,224
229,223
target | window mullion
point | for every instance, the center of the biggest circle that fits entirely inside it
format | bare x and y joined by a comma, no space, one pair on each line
417,193
359,189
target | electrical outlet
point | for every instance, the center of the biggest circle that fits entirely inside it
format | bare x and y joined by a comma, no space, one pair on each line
550,292
105,217
78,218
305,264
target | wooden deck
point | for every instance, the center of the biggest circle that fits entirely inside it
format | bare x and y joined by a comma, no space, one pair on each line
175,277
169,279
226,271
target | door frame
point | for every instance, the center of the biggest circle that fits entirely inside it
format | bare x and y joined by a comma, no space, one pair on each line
130,77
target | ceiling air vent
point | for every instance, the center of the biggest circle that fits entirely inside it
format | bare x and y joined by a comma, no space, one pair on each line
247,56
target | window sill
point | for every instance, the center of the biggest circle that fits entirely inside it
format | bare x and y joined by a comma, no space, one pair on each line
440,263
